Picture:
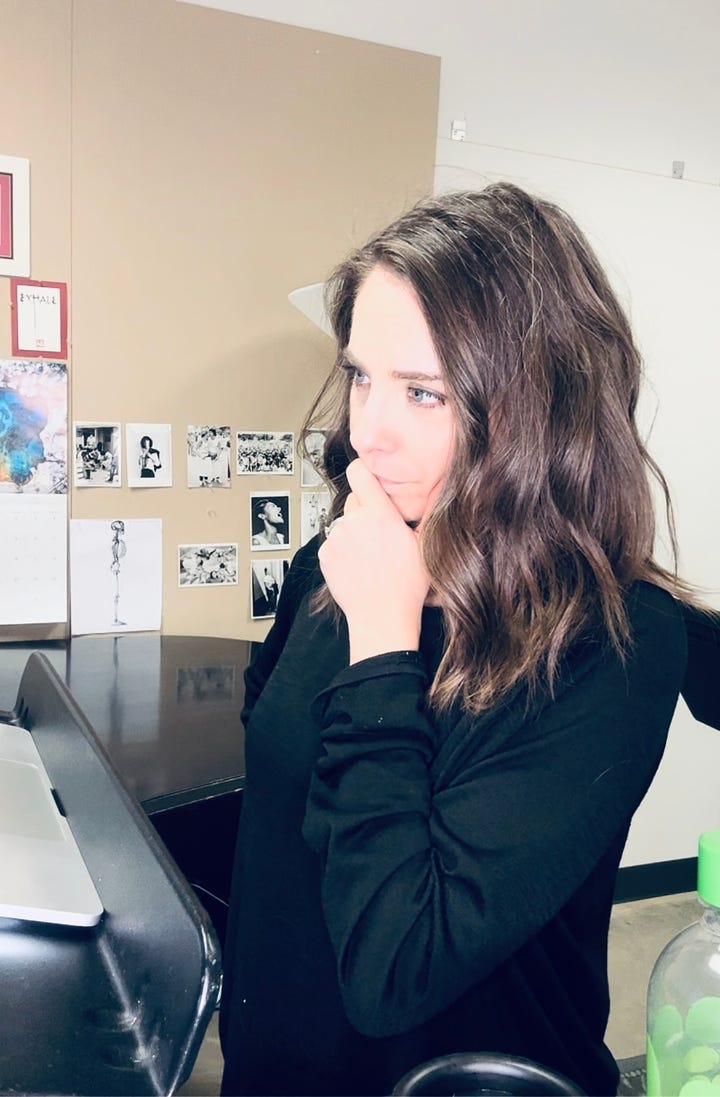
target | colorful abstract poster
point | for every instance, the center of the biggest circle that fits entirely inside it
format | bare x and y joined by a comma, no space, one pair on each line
33,427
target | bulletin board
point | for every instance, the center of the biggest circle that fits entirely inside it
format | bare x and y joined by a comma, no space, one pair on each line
189,168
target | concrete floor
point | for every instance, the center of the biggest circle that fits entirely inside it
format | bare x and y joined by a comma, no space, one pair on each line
638,933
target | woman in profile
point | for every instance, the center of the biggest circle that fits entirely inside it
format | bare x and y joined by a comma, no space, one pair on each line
269,515
468,685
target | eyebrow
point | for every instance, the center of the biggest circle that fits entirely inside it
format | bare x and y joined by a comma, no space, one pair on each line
397,375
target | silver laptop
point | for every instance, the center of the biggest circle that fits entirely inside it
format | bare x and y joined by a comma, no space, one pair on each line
43,876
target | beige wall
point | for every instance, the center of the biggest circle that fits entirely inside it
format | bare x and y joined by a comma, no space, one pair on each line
189,168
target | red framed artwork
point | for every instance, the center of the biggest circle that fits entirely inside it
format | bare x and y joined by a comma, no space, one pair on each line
6,237
39,318
14,216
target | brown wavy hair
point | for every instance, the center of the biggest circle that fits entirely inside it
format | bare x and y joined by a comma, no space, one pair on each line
546,515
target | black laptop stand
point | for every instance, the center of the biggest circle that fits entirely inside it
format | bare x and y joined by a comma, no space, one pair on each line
120,1008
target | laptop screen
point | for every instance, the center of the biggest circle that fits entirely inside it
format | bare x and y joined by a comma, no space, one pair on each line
43,876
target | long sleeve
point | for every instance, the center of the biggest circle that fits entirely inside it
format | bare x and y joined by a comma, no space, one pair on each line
301,578
444,848
703,668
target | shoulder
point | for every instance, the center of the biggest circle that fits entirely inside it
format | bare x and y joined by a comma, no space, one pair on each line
608,710
650,598
657,623
642,682
656,630
703,668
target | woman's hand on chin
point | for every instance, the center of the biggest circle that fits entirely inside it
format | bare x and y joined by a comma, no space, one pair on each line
373,566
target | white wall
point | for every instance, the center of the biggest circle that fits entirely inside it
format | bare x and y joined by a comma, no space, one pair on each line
590,104
653,234
635,83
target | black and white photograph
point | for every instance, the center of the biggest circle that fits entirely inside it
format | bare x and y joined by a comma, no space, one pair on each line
314,514
98,452
207,565
269,521
149,455
208,457
266,580
265,452
115,575
312,462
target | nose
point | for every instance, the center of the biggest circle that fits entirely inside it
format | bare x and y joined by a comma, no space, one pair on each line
373,425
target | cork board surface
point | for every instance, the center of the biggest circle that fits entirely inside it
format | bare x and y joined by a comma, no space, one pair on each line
189,168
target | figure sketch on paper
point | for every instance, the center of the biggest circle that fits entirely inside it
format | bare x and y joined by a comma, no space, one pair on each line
115,575
119,548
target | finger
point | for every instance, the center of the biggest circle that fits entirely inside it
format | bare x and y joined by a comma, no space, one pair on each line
365,487
333,525
352,503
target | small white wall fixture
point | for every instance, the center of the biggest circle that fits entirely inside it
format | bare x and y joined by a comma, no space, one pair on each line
309,300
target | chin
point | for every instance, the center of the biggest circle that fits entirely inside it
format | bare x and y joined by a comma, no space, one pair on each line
411,515
411,509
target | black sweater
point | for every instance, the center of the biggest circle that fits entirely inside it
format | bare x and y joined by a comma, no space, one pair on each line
409,885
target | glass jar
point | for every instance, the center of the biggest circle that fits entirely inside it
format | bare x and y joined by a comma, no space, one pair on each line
683,1003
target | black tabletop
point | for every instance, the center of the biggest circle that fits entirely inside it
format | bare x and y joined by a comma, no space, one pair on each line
166,708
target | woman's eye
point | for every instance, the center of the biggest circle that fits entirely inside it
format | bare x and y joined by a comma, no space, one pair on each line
425,397
356,375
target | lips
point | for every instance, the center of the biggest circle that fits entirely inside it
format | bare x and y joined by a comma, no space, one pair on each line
386,484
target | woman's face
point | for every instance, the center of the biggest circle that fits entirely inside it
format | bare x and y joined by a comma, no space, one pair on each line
401,423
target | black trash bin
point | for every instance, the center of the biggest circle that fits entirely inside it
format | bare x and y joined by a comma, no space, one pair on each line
474,1073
